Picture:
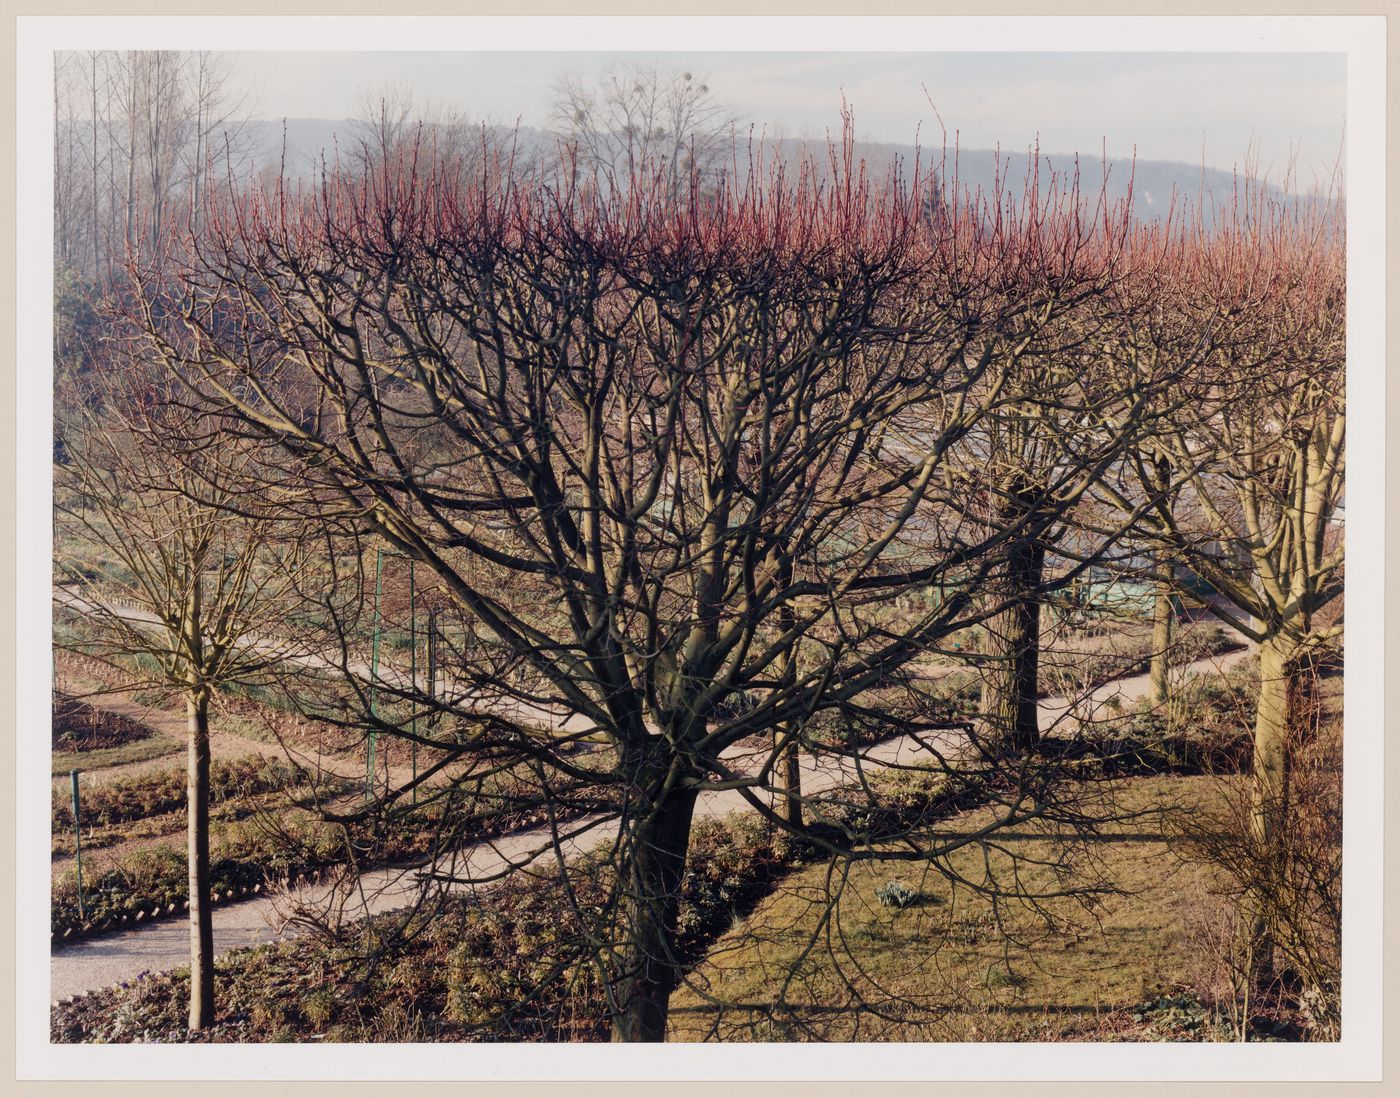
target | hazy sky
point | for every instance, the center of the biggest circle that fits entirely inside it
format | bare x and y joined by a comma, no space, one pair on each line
1196,107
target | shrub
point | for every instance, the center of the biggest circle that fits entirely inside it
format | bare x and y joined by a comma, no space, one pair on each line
78,726
1120,655
319,1007
158,879
1001,975
896,894
247,852
732,862
1295,885
158,792
1207,729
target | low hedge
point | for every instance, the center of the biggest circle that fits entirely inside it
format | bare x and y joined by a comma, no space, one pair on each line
510,964
158,792
247,854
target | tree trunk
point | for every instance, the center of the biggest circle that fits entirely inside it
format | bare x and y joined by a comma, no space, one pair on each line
131,154
789,801
1163,622
650,968
96,227
1304,703
1011,681
1270,796
201,915
1162,609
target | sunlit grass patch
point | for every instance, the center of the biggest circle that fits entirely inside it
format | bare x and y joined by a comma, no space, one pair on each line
952,962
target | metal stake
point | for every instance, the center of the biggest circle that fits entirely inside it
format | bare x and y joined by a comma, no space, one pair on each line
374,670
413,672
78,844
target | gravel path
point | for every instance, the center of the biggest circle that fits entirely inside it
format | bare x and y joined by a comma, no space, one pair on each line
112,958
223,744
1121,695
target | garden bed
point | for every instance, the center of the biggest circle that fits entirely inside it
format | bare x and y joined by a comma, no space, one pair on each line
508,965
80,727
273,848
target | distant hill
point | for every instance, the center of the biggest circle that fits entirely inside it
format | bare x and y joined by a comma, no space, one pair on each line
1154,182
307,140
311,141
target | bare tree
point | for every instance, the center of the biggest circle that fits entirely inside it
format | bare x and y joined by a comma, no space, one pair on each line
215,126
187,578
136,135
637,119
392,126
385,124
1256,459
1057,422
671,456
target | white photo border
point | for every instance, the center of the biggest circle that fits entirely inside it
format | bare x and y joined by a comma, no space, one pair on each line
1356,1057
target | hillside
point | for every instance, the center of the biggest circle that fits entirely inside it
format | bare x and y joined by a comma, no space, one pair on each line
1154,182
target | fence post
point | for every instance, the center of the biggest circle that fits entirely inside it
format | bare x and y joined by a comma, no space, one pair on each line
413,673
78,844
432,653
374,670
432,661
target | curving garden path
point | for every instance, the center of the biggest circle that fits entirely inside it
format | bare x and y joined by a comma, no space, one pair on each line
122,956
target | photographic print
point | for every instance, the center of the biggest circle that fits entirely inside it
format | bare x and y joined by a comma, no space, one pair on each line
606,537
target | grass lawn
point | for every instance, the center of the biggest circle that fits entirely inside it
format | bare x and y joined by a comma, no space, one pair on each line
953,964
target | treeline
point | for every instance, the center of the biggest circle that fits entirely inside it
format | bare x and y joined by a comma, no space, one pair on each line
138,134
